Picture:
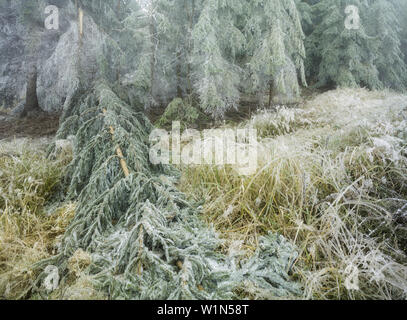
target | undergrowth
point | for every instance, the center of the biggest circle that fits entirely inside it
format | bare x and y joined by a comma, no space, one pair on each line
28,231
331,177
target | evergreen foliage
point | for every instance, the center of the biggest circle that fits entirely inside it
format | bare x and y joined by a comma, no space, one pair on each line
275,39
119,50
216,78
387,27
182,111
216,50
340,56
369,56
274,256
146,240
402,11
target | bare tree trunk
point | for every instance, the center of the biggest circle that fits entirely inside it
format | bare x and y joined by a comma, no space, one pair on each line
78,63
191,13
31,99
119,67
270,94
152,59
179,85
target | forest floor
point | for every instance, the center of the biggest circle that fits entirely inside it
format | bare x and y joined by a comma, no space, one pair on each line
332,178
42,126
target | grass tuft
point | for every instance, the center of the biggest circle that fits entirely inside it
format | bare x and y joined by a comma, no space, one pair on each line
331,183
28,233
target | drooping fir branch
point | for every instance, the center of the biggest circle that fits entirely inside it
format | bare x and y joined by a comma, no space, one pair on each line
146,240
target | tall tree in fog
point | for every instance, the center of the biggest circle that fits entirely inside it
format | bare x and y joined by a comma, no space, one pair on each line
402,12
118,47
385,23
30,16
340,55
212,51
216,42
254,47
276,50
367,52
147,24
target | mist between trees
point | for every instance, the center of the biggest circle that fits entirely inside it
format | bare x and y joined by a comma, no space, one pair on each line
214,54
107,62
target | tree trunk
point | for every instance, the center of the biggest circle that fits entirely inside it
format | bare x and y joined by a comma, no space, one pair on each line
179,76
270,94
191,13
31,99
152,59
119,67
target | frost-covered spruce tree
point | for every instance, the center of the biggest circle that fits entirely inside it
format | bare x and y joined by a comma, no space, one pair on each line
404,32
182,16
305,11
204,50
160,32
369,53
233,39
145,239
143,23
119,50
402,14
385,24
175,50
275,49
216,75
342,56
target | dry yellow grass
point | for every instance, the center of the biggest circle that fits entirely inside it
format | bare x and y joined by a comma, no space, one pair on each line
331,176
28,233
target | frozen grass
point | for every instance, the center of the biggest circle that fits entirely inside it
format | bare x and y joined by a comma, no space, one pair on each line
29,232
331,177
284,120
